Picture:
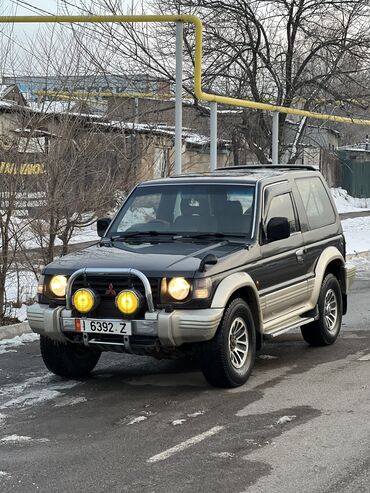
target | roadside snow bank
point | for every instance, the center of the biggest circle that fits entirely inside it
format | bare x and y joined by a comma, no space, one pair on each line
357,234
8,345
20,288
346,203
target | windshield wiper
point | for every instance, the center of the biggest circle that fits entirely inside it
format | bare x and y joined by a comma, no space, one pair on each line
134,234
209,235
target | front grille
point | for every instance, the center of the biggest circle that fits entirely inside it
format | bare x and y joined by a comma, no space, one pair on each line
101,284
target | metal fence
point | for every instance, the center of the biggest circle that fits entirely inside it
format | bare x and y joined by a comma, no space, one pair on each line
355,176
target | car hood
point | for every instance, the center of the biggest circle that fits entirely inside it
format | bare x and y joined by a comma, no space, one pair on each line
177,258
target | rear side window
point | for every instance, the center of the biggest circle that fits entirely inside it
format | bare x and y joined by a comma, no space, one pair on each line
282,206
318,207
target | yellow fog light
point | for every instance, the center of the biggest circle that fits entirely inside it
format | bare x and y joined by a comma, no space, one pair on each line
178,288
84,300
58,285
127,302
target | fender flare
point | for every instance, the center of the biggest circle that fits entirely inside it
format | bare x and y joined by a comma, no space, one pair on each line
328,255
232,283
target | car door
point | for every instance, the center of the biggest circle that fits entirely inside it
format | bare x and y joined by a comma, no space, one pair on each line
281,275
322,227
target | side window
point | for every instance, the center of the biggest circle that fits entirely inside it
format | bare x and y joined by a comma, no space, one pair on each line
282,206
316,202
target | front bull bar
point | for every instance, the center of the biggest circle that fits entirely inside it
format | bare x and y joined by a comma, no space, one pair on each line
109,271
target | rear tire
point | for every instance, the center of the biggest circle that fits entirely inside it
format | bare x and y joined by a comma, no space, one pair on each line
227,360
68,360
325,330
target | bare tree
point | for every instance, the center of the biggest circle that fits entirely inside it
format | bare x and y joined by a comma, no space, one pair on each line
305,53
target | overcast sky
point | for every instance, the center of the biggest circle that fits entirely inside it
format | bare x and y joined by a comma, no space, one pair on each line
18,37
13,7
20,7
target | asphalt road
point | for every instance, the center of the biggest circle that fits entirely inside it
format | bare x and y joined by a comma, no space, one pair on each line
300,424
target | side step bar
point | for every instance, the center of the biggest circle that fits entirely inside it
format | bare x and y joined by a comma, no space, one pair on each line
299,323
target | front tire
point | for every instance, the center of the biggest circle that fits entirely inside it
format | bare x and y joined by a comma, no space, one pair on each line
227,360
68,360
325,330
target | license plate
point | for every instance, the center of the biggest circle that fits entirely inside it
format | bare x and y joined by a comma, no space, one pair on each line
103,326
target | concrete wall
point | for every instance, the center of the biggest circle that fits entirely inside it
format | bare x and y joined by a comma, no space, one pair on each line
9,121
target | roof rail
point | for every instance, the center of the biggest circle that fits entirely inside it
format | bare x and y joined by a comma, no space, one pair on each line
269,166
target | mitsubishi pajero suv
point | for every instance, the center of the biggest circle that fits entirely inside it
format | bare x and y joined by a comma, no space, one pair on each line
208,265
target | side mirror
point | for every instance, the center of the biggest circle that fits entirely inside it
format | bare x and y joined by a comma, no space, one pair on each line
278,228
102,225
209,259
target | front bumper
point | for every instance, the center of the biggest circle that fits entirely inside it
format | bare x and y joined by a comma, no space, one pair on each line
349,275
172,329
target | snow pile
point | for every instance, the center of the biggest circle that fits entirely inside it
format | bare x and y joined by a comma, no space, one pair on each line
21,439
136,420
346,203
8,345
196,414
15,439
285,419
21,289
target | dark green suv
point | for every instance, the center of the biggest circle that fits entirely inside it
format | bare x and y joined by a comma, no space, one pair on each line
200,264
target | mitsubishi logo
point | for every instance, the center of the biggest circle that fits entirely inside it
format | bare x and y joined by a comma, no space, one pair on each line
110,291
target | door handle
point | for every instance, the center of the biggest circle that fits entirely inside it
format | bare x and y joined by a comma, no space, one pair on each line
300,254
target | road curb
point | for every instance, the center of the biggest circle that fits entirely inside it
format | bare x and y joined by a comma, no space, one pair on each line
10,331
364,254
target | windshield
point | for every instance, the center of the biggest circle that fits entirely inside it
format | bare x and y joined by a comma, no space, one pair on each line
187,209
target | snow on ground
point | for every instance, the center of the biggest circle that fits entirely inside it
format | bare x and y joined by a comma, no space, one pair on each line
34,390
136,420
285,419
223,455
20,289
29,239
21,439
196,414
8,345
87,233
70,401
357,234
346,203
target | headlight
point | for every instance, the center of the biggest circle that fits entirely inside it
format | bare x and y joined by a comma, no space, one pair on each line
58,285
85,300
178,288
128,302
